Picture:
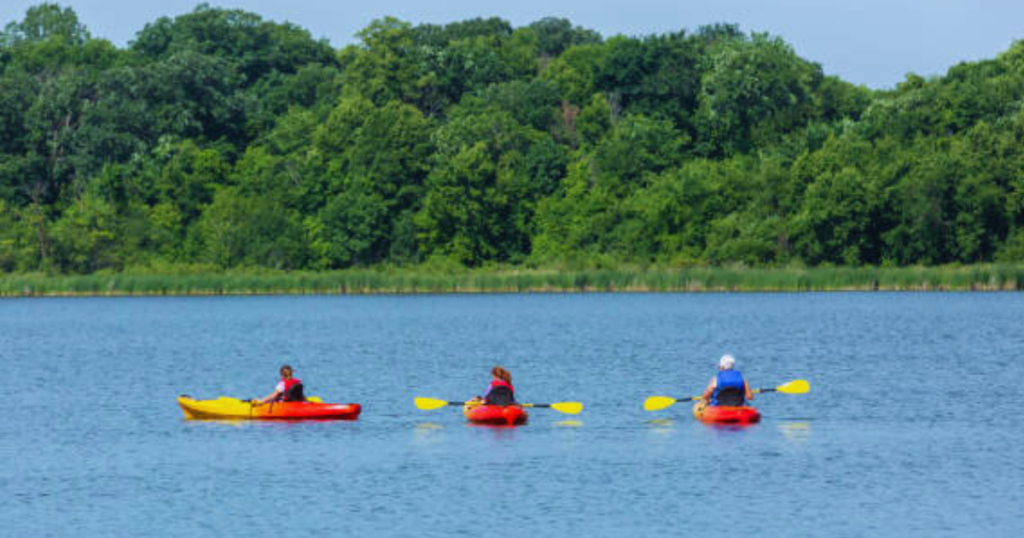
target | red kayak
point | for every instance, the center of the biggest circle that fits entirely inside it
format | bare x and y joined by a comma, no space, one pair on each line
724,414
234,409
498,415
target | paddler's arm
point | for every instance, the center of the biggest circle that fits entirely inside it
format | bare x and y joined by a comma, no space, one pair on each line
273,396
278,392
747,393
710,390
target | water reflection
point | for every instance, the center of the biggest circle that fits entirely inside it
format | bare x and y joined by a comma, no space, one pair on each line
796,431
662,425
569,424
426,433
196,423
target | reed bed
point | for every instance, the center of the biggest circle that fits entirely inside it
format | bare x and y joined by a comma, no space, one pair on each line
518,280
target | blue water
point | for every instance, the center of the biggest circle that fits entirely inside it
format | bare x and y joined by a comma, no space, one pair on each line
912,428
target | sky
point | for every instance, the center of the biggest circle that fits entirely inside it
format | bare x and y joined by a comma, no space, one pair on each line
871,42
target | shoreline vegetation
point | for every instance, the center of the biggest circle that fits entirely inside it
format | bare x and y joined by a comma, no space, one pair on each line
518,280
221,153
217,143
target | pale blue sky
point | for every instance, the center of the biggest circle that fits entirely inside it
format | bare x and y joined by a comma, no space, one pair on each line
872,42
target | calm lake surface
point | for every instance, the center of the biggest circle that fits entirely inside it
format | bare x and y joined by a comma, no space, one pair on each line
912,428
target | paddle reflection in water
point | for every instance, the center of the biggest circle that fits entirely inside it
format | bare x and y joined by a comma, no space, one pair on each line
662,424
796,431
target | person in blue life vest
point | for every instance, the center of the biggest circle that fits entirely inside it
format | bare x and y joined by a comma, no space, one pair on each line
289,389
728,387
500,391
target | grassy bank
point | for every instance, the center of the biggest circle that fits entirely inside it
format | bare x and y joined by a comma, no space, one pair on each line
418,280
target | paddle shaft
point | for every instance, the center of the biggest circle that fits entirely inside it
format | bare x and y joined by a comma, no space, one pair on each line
755,391
482,402
569,408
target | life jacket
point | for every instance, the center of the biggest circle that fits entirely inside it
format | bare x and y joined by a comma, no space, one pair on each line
293,391
501,393
730,389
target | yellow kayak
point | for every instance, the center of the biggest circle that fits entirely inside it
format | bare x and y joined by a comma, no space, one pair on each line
225,408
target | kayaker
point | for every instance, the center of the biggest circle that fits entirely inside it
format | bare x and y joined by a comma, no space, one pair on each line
289,389
500,391
728,387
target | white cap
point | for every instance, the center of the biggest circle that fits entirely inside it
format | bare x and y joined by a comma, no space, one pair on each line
727,362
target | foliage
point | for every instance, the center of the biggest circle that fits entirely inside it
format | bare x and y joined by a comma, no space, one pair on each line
223,141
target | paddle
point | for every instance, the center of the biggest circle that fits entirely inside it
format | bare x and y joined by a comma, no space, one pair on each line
569,408
257,403
657,403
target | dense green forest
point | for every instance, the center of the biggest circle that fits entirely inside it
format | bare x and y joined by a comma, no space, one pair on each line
219,140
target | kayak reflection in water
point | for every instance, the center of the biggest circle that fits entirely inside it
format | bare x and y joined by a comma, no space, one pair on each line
728,387
289,389
500,391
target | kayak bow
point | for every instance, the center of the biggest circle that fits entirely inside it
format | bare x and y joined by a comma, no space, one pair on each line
724,414
498,415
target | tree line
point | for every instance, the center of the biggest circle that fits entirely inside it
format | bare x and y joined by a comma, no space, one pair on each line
220,139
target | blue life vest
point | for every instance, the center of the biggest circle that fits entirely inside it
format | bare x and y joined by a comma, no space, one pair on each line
731,381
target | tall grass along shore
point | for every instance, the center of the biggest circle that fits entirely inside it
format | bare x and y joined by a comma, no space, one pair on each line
420,280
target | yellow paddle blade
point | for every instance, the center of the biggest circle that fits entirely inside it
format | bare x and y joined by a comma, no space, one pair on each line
429,404
800,386
314,399
657,403
569,408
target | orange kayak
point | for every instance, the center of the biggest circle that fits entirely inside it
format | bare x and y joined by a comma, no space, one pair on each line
498,415
723,414
234,409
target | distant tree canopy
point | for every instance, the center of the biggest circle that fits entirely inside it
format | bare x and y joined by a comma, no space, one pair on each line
219,138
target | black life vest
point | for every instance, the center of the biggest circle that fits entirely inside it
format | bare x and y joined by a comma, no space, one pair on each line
501,393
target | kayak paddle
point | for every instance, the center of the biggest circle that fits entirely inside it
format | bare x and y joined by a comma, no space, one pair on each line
569,408
799,386
257,403
657,403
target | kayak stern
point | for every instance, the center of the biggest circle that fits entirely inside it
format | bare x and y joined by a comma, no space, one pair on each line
724,414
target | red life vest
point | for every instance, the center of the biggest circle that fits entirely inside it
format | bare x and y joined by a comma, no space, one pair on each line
500,393
288,384
502,383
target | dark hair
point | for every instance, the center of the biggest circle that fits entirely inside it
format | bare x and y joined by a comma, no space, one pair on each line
287,368
501,374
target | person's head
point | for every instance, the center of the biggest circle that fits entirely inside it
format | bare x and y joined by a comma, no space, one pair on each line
726,362
500,373
286,371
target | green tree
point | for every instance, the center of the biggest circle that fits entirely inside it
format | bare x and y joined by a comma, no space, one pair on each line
755,91
240,230
43,22
636,147
85,237
835,220
480,198
555,35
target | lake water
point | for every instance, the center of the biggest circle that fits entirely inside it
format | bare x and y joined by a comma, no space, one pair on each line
912,427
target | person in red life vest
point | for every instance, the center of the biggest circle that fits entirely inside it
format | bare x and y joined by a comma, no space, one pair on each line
728,387
289,389
500,391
